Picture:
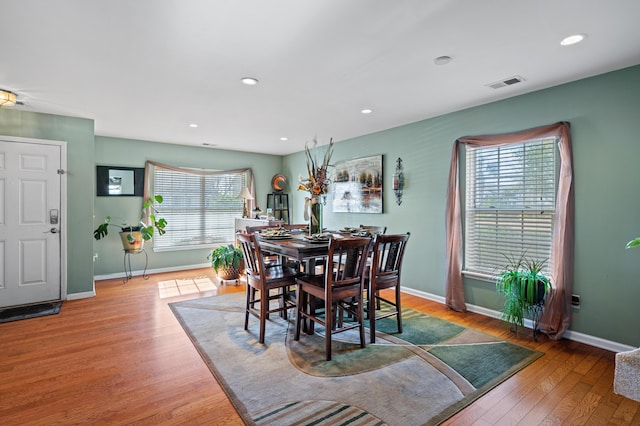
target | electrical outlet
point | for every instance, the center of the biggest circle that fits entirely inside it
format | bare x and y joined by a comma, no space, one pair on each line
575,301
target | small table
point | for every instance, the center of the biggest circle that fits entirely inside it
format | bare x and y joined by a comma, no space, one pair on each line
128,274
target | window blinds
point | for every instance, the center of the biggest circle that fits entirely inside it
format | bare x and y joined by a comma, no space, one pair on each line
200,209
510,204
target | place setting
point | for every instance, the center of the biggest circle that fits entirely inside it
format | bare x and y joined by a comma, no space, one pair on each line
317,238
275,234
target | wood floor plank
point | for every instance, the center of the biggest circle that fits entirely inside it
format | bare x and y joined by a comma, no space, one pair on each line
122,358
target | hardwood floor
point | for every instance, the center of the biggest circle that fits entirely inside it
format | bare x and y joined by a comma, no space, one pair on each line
122,358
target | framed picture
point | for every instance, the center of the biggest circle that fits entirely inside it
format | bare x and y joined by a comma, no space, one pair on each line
357,185
116,181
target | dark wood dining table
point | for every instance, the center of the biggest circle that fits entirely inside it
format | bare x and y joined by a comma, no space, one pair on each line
296,247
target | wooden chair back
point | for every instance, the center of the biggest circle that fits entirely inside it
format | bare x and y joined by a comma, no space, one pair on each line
385,271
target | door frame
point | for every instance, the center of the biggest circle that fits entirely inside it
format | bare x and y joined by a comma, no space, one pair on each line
63,202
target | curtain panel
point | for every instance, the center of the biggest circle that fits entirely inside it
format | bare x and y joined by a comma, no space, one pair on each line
556,316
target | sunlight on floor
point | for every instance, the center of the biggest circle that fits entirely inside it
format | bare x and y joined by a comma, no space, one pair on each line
172,288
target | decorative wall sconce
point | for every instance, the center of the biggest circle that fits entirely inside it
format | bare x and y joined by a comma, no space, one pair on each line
398,181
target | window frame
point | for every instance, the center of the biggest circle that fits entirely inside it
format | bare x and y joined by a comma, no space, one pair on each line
197,181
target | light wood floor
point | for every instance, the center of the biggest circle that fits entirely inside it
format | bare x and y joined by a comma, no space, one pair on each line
122,358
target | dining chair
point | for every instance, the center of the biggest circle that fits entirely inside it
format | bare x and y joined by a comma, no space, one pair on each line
263,279
343,279
373,230
384,273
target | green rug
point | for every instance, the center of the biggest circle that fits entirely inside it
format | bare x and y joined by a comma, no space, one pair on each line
422,376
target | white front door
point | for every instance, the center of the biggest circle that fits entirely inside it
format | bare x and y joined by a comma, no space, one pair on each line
30,249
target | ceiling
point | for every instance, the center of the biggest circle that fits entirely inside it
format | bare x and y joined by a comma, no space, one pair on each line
147,69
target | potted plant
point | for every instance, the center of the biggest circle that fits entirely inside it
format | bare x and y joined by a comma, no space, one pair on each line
634,243
133,236
524,287
227,261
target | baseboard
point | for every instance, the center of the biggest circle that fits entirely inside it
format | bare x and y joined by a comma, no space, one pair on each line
138,273
82,295
569,334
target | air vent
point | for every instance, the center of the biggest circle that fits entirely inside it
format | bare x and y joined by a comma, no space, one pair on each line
506,82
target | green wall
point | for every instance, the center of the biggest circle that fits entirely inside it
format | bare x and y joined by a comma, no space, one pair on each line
134,153
604,113
602,110
78,133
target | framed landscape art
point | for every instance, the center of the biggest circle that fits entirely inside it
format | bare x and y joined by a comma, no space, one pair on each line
357,185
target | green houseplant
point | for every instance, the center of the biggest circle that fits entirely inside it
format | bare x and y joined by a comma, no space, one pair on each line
524,287
634,243
132,235
227,261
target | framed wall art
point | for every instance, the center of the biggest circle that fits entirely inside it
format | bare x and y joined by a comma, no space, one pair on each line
357,185
119,181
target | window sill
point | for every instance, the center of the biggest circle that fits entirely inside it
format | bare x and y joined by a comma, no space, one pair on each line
479,276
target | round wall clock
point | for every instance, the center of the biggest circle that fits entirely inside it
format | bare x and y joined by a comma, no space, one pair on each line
279,182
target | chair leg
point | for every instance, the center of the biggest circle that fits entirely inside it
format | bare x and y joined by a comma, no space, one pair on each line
361,321
299,307
371,305
399,309
247,307
264,308
329,314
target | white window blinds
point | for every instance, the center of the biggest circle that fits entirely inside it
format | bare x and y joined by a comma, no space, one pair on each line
200,209
510,204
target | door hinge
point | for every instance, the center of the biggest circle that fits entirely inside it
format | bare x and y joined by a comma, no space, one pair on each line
60,171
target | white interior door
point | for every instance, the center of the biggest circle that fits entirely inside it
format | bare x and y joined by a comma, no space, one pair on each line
30,249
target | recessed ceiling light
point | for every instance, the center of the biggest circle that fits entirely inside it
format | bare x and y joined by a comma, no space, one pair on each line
209,144
284,138
194,125
366,111
442,60
249,81
572,39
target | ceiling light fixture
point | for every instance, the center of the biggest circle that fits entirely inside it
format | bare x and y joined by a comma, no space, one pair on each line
7,98
572,39
284,138
249,81
194,125
366,111
442,60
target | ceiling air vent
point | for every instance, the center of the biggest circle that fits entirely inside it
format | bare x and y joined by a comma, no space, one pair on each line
506,82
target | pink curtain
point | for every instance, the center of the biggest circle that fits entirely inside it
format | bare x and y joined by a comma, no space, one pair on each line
555,319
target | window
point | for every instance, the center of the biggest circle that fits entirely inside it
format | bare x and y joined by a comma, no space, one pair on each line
510,204
200,209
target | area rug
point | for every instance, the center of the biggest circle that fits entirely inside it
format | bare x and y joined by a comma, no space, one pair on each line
420,377
29,311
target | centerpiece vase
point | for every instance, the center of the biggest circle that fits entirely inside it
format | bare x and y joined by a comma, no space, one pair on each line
315,218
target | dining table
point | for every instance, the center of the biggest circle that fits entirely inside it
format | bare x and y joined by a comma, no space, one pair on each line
298,246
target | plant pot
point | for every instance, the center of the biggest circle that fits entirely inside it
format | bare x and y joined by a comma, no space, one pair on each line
136,245
537,297
228,273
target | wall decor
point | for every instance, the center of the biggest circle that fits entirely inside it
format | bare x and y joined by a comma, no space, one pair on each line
398,181
119,181
357,185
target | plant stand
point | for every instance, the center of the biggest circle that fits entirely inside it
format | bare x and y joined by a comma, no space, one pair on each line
128,274
537,313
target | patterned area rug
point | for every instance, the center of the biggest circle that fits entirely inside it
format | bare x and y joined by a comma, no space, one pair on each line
422,376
